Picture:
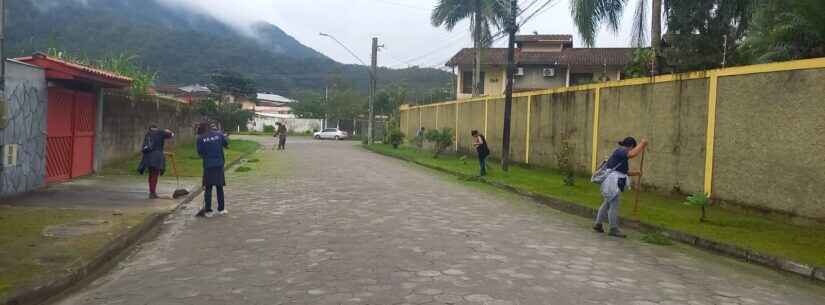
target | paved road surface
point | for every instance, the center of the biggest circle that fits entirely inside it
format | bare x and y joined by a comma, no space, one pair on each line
329,223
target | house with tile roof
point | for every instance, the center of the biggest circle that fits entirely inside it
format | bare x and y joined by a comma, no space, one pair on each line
542,62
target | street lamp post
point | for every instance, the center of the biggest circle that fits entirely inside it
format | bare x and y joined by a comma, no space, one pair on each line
373,83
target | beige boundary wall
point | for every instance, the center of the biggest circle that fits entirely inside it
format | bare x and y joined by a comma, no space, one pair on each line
751,135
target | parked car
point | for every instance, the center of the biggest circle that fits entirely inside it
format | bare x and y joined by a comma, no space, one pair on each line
331,133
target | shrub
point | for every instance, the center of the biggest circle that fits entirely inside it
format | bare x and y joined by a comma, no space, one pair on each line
269,129
441,139
396,137
564,156
701,200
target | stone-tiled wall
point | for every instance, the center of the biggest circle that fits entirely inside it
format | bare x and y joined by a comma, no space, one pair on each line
26,102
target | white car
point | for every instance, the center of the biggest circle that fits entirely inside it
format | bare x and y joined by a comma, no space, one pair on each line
331,133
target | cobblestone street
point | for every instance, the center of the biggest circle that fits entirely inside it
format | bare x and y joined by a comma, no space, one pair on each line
330,223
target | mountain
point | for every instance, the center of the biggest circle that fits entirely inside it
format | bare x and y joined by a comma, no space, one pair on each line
184,45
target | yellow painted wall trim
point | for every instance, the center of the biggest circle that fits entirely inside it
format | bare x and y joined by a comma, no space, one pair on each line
711,132
485,117
436,118
527,136
596,111
419,120
804,64
457,104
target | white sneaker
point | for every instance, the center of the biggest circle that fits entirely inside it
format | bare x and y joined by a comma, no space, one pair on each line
209,214
223,213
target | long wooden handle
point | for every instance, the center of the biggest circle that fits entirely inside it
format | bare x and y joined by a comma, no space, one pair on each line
639,186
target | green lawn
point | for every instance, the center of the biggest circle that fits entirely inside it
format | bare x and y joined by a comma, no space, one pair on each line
28,258
186,156
763,233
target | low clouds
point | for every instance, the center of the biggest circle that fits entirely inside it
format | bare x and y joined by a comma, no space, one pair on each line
402,25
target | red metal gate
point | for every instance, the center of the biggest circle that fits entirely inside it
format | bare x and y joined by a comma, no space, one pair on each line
70,134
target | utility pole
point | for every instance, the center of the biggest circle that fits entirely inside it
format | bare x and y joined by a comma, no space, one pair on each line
2,47
326,107
512,27
373,83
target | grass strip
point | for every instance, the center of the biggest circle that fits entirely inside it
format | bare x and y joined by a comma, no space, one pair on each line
762,233
188,162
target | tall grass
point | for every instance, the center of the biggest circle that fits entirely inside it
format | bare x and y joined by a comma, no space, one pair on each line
123,64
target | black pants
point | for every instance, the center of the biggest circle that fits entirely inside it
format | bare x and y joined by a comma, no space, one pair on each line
482,162
207,198
281,143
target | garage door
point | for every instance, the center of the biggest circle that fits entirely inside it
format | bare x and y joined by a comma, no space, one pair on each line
70,134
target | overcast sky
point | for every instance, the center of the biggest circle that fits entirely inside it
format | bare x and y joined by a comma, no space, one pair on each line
403,26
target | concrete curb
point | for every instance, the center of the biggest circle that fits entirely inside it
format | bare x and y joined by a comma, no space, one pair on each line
814,273
106,257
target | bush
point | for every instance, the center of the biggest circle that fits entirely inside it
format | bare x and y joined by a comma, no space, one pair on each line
396,137
441,139
701,200
269,129
565,161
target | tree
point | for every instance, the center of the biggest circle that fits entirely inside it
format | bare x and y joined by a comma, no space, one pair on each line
228,115
483,16
785,30
310,105
588,16
706,34
229,83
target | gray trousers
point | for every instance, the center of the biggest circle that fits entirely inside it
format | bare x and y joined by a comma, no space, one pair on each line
609,211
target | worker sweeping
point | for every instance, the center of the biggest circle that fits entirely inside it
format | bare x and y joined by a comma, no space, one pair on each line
613,176
153,160
210,148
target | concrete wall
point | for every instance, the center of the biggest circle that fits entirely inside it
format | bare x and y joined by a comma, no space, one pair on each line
770,141
126,119
26,103
293,124
769,150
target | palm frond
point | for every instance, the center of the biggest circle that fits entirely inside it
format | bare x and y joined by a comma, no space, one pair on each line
588,15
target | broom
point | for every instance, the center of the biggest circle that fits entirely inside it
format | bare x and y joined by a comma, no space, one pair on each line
639,186
179,192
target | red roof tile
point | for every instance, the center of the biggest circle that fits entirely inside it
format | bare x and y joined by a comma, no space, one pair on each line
73,70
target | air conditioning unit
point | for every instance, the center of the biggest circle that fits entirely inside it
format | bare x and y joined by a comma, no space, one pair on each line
548,72
519,71
10,152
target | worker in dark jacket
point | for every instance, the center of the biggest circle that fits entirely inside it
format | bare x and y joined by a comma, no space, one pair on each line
281,134
153,159
480,143
210,148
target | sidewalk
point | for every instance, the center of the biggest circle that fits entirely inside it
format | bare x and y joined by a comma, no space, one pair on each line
53,237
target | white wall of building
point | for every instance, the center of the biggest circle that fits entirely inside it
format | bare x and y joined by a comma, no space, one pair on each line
293,124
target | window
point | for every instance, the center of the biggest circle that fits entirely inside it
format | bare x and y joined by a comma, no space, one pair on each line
581,78
329,130
467,83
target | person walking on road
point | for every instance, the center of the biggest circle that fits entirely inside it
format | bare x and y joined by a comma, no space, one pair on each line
210,148
281,134
483,151
153,159
615,183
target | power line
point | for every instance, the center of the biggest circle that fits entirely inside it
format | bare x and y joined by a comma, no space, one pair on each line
546,6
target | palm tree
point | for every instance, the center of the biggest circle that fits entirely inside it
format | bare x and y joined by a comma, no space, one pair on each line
483,15
588,15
